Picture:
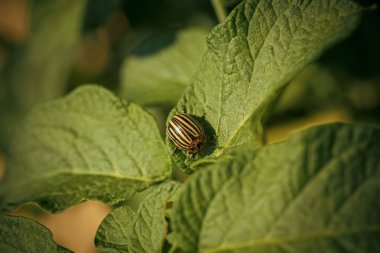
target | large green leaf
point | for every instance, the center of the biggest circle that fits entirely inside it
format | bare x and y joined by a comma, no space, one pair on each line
88,145
159,68
316,192
38,70
145,231
250,58
22,235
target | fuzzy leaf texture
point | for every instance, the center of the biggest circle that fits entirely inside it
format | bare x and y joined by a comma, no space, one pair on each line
22,235
144,231
315,192
88,145
37,70
250,58
113,232
159,68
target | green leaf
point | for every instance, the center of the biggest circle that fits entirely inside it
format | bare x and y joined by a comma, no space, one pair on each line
113,232
145,231
250,58
161,67
316,192
22,235
38,70
88,145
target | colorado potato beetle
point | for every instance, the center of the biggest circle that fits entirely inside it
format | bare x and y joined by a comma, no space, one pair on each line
186,133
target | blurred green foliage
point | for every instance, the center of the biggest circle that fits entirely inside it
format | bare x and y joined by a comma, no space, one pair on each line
47,66
346,76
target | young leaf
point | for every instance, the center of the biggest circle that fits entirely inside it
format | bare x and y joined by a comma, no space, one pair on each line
145,231
251,56
113,232
160,77
22,235
316,192
88,145
37,71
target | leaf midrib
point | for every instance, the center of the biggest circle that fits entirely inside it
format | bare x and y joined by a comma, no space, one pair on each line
103,151
263,102
254,111
118,176
322,234
321,172
52,175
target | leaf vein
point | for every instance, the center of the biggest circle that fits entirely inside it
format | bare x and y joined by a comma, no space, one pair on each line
323,234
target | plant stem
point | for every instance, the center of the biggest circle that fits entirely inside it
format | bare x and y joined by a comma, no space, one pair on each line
173,249
262,133
219,9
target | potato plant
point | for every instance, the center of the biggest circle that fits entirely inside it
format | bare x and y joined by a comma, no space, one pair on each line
316,191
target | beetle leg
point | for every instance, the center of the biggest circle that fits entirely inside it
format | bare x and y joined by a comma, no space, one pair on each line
184,109
174,150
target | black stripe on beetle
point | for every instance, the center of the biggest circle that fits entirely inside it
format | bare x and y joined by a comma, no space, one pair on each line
186,133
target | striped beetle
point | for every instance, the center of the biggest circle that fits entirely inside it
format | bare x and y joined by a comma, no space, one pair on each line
186,133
